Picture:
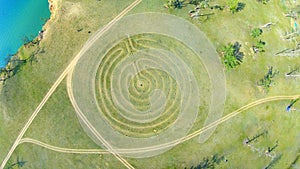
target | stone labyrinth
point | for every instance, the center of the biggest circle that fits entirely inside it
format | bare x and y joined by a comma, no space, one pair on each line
140,85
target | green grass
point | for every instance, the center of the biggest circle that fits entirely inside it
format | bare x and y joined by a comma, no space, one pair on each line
22,93
158,78
57,123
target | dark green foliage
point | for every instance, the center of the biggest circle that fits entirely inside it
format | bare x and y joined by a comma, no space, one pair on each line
256,32
259,46
173,4
231,55
178,4
235,5
268,79
241,6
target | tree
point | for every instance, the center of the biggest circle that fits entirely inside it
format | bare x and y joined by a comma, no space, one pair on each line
235,5
259,47
231,55
175,4
182,3
267,81
256,32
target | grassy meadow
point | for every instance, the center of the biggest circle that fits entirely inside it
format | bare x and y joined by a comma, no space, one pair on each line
57,123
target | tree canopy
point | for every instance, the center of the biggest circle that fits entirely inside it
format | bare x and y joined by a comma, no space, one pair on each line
267,81
231,55
256,32
175,4
235,5
259,46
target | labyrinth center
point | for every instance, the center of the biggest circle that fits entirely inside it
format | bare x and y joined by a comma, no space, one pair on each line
144,87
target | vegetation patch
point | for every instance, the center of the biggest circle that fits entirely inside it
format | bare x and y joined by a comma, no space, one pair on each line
267,81
55,125
231,55
256,32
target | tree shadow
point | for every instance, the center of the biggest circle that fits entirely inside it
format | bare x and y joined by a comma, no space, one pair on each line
273,162
209,162
240,6
237,53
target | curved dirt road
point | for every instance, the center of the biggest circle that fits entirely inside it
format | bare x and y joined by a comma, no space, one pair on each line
175,142
69,69
63,150
62,76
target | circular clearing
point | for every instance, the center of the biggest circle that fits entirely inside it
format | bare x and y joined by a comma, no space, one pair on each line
138,91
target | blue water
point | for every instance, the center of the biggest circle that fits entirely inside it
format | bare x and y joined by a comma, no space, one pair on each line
20,20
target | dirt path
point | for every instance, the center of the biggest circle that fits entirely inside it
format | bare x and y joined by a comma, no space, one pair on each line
69,69
91,127
175,142
63,150
62,76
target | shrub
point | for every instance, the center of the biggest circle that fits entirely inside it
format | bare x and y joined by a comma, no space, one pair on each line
231,55
256,32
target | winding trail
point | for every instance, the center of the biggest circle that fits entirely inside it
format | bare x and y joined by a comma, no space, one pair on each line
62,76
91,127
115,152
169,144
63,150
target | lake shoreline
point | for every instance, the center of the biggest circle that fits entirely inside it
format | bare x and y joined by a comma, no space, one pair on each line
53,7
8,71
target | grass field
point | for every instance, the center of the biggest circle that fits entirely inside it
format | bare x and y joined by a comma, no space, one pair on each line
141,87
57,123
156,51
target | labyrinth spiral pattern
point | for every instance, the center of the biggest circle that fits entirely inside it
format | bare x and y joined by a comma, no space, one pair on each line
142,90
144,81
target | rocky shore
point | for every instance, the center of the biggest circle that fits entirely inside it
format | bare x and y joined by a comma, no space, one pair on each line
53,7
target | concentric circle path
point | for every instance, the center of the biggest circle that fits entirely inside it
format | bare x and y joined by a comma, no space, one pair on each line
136,90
